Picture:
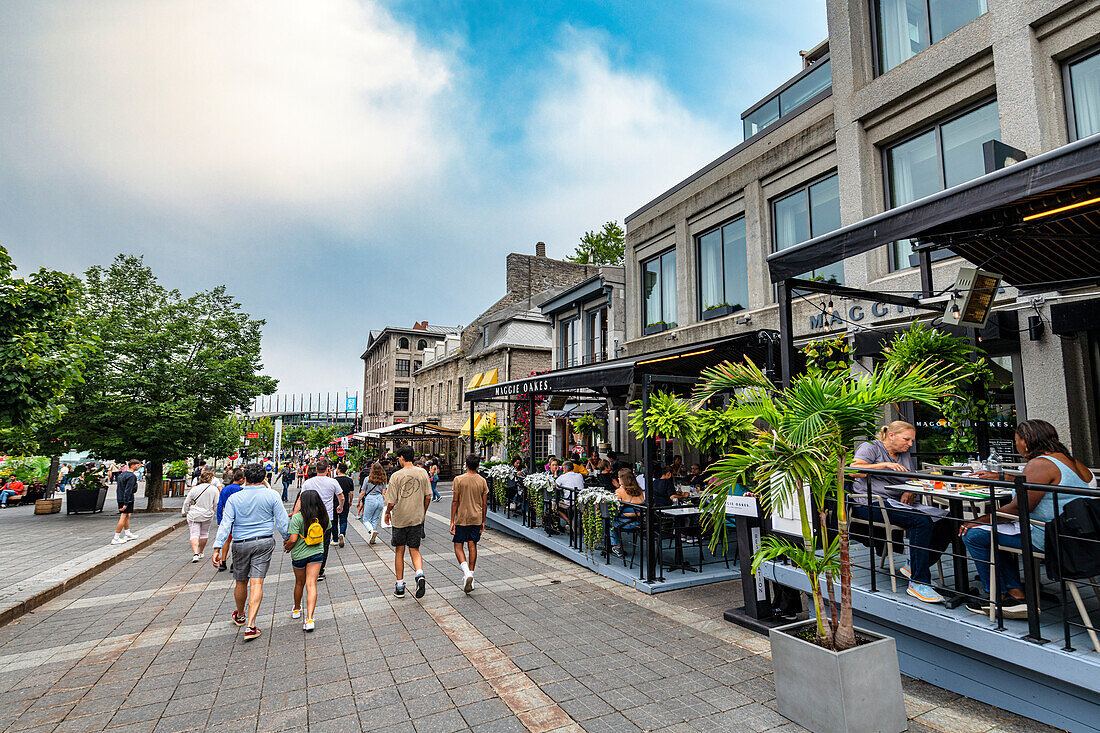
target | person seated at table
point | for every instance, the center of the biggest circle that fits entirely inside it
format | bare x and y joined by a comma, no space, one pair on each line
1048,462
552,467
928,536
515,481
593,464
677,465
571,484
664,488
695,476
605,476
630,495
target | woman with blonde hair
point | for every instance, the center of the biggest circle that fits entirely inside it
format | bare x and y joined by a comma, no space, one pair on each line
928,535
372,499
199,507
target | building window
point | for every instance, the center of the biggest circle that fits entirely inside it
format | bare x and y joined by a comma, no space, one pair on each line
417,364
659,283
401,399
904,28
402,367
596,337
723,269
422,344
806,213
461,394
402,343
1082,84
806,86
948,154
567,343
542,445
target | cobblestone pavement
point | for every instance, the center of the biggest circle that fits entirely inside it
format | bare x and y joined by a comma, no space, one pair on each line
540,644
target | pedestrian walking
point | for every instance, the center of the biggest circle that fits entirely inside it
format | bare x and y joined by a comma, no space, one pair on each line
372,499
199,507
236,478
348,487
196,472
433,476
287,476
125,490
269,468
247,517
469,503
307,533
408,496
302,468
332,494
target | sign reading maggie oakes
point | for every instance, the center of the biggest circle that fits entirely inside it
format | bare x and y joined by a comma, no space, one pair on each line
535,385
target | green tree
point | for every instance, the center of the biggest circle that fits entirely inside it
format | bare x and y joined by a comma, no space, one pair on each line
605,247
169,369
226,438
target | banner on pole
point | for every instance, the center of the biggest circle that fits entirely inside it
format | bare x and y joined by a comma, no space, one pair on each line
278,438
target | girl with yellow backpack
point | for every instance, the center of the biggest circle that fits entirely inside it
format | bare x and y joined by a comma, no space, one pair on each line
306,547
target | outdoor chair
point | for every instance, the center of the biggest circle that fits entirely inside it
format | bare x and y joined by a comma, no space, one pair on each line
891,534
1037,557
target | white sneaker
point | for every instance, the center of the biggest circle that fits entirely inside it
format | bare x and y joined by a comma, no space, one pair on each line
308,625
130,535
118,540
195,557
373,536
296,613
200,555
467,582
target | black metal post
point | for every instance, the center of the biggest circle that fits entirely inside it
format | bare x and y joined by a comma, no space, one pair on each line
1031,583
871,535
927,287
1053,527
994,543
527,519
473,445
647,459
786,333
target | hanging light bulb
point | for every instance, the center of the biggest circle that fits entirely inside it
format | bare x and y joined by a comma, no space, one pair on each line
955,311
830,303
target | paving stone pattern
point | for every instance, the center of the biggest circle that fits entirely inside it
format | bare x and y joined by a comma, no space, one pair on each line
539,645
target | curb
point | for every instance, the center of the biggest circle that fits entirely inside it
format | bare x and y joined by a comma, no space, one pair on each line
36,599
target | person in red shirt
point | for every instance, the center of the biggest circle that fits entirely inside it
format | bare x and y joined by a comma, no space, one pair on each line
14,487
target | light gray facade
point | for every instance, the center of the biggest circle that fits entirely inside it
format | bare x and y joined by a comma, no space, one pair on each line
1014,54
389,360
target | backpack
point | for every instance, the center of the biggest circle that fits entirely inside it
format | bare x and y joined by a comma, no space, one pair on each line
315,535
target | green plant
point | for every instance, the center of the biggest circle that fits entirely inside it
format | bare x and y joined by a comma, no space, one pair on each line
591,522
490,434
970,403
828,355
535,484
796,454
28,469
177,469
89,479
713,431
587,425
715,306
668,416
500,473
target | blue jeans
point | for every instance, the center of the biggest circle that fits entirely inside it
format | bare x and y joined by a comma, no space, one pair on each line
4,495
342,517
286,488
435,494
927,538
372,511
624,521
978,541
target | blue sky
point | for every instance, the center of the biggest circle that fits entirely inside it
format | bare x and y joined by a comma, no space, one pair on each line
342,165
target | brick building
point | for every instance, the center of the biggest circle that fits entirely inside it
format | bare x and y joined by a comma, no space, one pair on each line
391,356
510,339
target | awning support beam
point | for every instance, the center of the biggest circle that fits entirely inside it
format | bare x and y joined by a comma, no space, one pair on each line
843,291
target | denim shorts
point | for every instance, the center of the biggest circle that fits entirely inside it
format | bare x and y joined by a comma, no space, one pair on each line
300,564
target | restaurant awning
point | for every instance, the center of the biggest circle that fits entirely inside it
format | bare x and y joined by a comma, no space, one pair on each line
615,377
417,429
1037,222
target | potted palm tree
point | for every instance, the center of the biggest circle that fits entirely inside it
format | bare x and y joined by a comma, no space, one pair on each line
829,676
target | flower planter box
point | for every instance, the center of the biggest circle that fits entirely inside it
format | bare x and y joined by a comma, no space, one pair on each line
85,500
854,691
47,506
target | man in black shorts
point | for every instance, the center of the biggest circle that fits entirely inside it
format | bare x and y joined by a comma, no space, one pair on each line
469,504
125,489
408,495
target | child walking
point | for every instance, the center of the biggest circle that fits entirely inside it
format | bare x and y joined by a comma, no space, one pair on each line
306,545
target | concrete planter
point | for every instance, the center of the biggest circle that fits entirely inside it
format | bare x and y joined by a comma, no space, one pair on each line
854,691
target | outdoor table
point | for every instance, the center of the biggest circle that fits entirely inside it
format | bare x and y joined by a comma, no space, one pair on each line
955,501
683,514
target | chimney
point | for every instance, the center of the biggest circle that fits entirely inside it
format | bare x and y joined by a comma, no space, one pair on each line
540,249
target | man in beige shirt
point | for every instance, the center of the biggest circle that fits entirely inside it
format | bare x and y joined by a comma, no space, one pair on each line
468,506
407,498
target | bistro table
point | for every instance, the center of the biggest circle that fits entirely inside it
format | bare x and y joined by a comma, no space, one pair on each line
681,518
955,500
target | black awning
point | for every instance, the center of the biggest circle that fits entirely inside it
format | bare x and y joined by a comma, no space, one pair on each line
617,375
1013,221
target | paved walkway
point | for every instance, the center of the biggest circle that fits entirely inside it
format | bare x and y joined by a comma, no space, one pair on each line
539,645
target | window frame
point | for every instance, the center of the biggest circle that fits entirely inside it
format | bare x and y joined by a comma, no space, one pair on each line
936,126
664,325
876,51
403,340
706,314
805,186
395,398
599,315
422,344
563,325
1067,89
397,371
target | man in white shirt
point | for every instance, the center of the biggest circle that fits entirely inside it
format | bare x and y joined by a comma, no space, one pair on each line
570,483
332,496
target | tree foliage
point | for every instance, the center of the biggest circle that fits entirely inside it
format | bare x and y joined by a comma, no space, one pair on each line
168,371
605,247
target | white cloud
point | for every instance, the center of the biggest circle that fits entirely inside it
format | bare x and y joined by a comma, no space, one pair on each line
214,106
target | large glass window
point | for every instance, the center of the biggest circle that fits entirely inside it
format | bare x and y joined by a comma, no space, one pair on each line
659,282
904,28
596,336
401,367
402,343
1083,95
567,345
723,268
806,213
948,154
789,99
400,399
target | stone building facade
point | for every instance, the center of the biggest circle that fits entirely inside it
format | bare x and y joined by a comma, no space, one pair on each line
894,106
389,360
510,339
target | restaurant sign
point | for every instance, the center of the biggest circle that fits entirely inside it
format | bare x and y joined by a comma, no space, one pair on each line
518,388
856,313
742,506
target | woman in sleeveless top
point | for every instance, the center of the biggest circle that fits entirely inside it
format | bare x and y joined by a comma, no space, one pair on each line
1048,462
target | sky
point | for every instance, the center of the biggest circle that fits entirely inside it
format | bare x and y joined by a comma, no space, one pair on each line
344,165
